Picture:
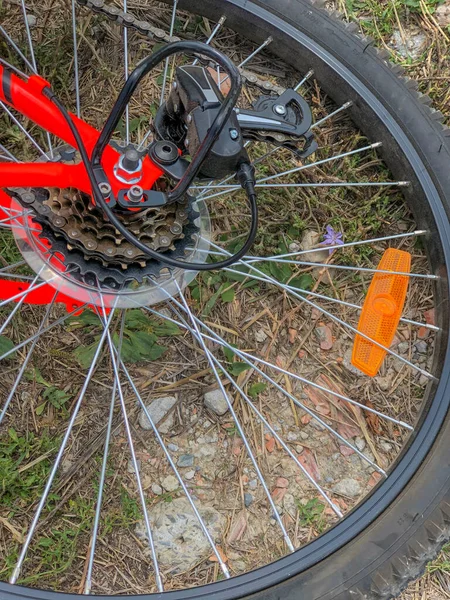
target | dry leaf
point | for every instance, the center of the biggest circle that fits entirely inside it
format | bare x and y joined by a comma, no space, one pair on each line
223,556
237,528
292,335
278,494
270,445
306,458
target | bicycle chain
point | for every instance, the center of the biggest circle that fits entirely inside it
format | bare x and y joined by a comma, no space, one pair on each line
144,28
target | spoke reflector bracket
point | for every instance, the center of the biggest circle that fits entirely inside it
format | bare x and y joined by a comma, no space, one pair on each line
381,311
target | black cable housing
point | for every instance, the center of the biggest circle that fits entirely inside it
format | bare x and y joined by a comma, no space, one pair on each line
245,174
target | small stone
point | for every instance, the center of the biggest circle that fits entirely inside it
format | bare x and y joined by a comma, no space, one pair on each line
423,333
216,402
409,43
385,446
178,536
347,363
304,435
157,489
173,447
260,336
157,410
282,482
170,483
186,460
253,484
403,348
360,443
130,468
189,475
206,424
294,247
421,346
318,426
442,14
325,337
31,20
423,380
299,449
292,436
348,487
248,499
310,239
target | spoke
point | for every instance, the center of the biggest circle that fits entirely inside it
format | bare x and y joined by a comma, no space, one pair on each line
236,420
214,32
174,468
342,267
151,544
125,49
276,436
332,114
92,546
27,359
309,74
24,131
198,336
19,304
331,299
15,47
45,330
386,238
218,339
263,182
166,64
43,500
252,55
33,58
75,58
14,266
331,316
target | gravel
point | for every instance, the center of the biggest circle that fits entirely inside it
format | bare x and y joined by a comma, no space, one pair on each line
248,499
179,540
360,443
170,483
216,402
157,410
186,460
348,487
157,489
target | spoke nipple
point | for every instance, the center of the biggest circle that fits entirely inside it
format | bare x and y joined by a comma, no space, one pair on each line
404,183
347,104
377,144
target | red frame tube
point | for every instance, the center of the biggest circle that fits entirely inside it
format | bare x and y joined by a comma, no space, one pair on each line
26,97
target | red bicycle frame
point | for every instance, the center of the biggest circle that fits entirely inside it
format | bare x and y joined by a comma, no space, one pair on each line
26,97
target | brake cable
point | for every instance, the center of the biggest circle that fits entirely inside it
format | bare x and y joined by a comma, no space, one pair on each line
245,173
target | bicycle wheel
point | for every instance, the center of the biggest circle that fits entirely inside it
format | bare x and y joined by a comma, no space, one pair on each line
169,431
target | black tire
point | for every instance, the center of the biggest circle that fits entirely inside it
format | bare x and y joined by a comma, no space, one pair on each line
388,540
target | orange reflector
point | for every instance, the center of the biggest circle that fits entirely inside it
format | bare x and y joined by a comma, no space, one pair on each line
381,311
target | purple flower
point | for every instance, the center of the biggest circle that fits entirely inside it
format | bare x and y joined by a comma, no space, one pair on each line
332,238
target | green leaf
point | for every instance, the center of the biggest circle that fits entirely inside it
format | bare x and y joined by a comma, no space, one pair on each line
55,396
228,295
304,282
142,342
211,303
136,319
229,354
280,271
238,367
40,409
86,319
85,354
156,351
5,346
35,375
167,328
196,293
256,388
129,353
237,276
